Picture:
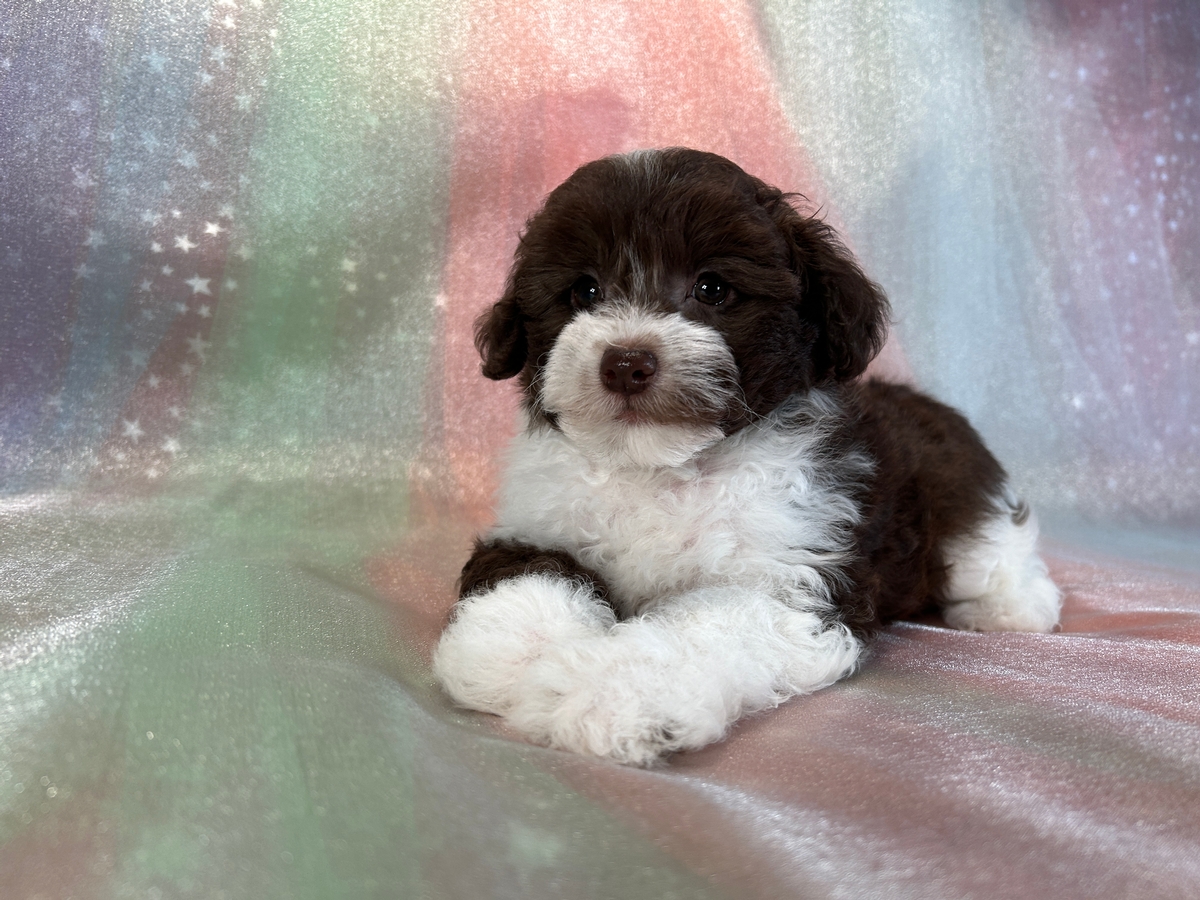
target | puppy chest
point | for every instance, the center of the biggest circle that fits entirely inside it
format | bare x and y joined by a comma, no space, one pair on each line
646,534
646,542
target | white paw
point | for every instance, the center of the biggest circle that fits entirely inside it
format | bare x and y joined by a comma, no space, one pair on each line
997,581
1030,603
615,697
677,678
495,636
545,654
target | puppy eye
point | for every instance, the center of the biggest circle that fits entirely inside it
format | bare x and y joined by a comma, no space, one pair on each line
712,289
585,292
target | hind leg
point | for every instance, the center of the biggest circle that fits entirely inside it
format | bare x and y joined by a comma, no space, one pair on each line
995,579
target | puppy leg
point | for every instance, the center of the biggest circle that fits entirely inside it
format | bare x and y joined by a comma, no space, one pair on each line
678,676
996,580
496,634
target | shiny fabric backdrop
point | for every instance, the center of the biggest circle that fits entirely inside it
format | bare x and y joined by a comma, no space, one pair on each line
244,442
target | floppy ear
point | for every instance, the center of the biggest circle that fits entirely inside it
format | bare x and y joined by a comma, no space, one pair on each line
850,310
500,339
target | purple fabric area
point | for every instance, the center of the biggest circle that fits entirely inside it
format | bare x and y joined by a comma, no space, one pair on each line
48,185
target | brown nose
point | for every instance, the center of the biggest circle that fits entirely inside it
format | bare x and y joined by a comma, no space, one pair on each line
627,371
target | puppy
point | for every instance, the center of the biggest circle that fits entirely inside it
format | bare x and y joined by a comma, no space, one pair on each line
706,513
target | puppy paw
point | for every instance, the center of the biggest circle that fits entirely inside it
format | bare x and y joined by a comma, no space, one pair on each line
496,635
1030,603
677,678
997,581
575,704
631,695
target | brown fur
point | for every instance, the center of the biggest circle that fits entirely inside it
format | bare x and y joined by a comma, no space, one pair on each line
804,313
493,561
934,479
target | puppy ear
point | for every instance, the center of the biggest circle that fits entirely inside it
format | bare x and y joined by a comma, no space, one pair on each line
850,310
500,339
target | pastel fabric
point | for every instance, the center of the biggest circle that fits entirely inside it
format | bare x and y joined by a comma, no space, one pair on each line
244,442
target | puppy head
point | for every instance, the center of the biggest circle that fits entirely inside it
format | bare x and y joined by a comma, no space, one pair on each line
662,300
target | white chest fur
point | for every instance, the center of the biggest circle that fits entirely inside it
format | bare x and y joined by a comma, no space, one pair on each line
765,508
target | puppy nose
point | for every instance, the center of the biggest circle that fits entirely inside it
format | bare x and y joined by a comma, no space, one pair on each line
627,371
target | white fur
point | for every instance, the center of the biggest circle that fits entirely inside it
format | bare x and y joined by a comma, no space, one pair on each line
697,376
768,508
997,581
724,564
566,675
494,636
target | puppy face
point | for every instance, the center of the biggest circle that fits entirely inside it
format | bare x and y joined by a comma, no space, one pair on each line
662,300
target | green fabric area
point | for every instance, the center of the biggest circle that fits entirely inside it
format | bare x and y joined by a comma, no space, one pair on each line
212,699
335,259
201,692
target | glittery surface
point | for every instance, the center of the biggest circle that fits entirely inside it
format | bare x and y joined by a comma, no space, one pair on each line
244,442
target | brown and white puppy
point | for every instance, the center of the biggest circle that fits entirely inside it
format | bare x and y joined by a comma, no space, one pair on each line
706,512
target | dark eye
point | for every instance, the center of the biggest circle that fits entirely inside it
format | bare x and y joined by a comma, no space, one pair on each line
711,289
585,292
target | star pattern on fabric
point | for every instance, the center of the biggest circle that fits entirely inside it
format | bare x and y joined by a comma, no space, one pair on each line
156,61
197,345
132,429
199,285
189,241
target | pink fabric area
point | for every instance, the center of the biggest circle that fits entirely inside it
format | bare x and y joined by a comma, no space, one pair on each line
531,111
953,765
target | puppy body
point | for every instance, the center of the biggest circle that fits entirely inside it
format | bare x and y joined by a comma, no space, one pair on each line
705,513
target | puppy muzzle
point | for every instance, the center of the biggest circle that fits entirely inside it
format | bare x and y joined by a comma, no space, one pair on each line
630,386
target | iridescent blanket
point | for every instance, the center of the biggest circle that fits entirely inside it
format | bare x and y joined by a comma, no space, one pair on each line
244,442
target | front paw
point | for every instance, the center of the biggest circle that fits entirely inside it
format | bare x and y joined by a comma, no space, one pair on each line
494,636
601,697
